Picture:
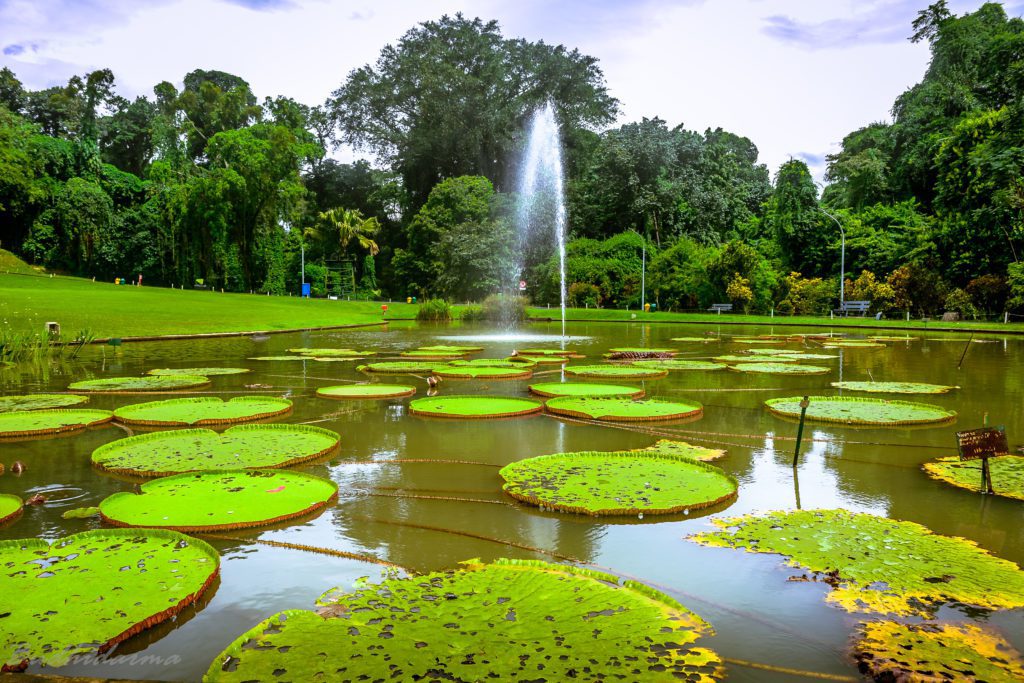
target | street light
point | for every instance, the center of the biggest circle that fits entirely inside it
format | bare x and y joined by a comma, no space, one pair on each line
842,258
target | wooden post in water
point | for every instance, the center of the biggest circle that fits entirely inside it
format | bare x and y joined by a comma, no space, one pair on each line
800,430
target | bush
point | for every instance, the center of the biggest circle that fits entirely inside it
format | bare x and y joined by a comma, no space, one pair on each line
989,293
434,310
959,301
806,296
915,288
739,292
504,309
584,295
471,314
867,287
1015,283
316,276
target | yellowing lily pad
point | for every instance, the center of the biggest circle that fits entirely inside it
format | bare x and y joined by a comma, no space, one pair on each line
876,564
616,371
510,620
672,364
483,372
113,385
205,410
30,423
683,450
39,402
219,499
895,387
1007,473
366,392
861,411
555,389
474,407
202,372
623,410
10,507
774,368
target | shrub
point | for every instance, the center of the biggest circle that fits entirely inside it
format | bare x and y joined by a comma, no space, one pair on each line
867,287
989,293
806,296
584,295
504,309
471,314
915,288
739,292
316,276
1015,283
434,310
959,301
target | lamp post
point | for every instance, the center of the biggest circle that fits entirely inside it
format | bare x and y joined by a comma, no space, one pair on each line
842,258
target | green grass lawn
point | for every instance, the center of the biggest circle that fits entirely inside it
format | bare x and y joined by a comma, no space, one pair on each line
108,310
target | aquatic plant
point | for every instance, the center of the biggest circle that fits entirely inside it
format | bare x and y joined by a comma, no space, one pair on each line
474,407
623,410
520,362
683,450
774,368
781,358
113,385
39,402
206,410
895,387
366,391
10,507
30,423
617,371
399,367
861,411
1007,473
202,372
672,364
483,372
555,389
435,310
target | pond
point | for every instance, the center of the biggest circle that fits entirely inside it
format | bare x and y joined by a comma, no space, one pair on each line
425,493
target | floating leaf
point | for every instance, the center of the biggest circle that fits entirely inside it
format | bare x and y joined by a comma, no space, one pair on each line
671,364
366,391
519,362
39,402
509,620
627,483
546,352
218,499
10,507
207,410
433,355
540,360
144,383
895,387
242,447
483,372
87,592
623,410
781,358
785,355
555,389
277,358
202,372
861,411
1007,473
876,564
893,339
448,348
693,339
618,371
332,353
80,513
683,450
44,422
933,653
775,368
398,367
853,345
474,406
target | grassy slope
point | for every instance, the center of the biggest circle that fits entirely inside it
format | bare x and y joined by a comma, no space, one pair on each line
108,310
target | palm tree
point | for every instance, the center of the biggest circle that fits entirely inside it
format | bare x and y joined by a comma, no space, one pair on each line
350,225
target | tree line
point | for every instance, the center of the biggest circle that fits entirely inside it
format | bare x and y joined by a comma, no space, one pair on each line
206,184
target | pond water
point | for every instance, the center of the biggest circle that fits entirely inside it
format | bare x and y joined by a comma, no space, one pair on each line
390,509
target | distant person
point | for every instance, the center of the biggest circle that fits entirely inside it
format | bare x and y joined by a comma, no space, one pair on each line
140,281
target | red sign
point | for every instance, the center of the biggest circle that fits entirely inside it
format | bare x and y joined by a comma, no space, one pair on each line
522,285
384,307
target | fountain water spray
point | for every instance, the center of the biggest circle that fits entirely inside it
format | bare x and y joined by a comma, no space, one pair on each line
542,191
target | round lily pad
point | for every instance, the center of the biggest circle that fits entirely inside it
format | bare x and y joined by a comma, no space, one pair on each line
474,406
202,372
752,359
854,345
681,449
617,371
241,447
85,593
510,620
482,372
433,355
861,411
890,651
785,355
893,339
520,362
282,358
555,389
399,367
774,368
115,385
43,422
540,360
39,402
545,352
206,410
895,387
628,483
366,391
219,499
876,564
623,410
331,353
1007,472
672,364
693,339
450,348
10,507
640,351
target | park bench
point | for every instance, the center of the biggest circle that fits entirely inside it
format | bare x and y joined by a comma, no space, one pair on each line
848,307
720,308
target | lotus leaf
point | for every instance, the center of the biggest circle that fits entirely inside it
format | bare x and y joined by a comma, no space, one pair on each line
554,389
366,391
876,564
207,410
202,372
784,355
241,447
144,383
87,592
399,367
1007,473
753,359
595,483
42,422
509,620
618,371
933,653
893,339
275,358
774,368
679,364
894,387
474,406
861,411
493,363
623,410
854,345
483,372
219,499
39,402
433,355
80,513
10,507
738,340
683,450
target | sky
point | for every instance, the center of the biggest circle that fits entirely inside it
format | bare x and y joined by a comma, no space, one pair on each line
794,76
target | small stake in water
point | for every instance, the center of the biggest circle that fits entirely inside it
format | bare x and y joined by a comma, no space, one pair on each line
964,354
800,430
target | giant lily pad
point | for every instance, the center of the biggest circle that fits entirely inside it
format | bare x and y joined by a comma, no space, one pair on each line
474,406
10,507
781,355
617,371
890,651
555,389
672,364
399,367
1007,473
546,352
854,345
895,387
781,358
519,362
623,410
693,339
87,592
876,564
539,360
450,348
419,354
331,353
774,368
219,499
482,372
39,402
511,620
202,372
44,422
115,385
861,411
241,447
682,449
207,410
595,483
283,358
893,339
365,392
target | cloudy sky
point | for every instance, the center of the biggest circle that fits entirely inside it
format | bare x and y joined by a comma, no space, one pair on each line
793,75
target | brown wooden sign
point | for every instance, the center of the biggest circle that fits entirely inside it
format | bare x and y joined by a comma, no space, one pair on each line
982,443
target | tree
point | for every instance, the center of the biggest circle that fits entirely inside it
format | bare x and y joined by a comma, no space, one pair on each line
349,225
805,235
